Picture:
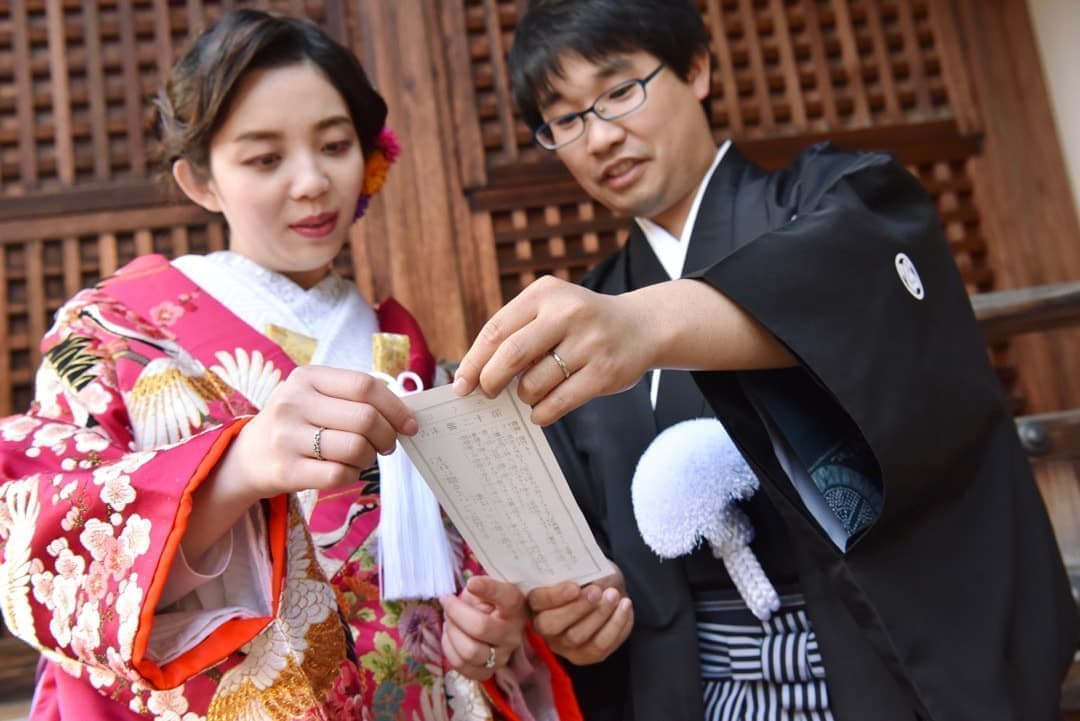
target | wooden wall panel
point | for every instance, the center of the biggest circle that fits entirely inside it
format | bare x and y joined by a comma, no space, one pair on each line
416,243
1023,193
83,73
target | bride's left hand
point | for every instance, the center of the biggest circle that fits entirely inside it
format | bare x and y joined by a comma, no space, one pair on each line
483,626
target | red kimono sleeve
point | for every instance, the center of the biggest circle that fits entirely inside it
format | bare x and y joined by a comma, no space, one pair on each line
90,527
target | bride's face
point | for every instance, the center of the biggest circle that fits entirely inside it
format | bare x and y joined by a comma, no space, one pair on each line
286,169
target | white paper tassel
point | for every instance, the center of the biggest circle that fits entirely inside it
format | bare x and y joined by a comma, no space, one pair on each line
414,556
684,490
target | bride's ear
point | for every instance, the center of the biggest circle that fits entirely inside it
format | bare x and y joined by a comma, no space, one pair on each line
199,190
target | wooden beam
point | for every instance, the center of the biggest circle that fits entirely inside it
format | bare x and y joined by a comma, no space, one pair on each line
84,198
18,231
1006,313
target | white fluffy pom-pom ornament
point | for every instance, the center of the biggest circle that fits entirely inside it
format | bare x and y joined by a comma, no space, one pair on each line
684,480
684,490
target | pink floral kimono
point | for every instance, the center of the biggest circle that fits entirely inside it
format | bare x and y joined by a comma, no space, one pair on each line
145,381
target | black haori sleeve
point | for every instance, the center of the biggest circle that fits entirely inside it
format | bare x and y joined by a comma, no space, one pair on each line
862,288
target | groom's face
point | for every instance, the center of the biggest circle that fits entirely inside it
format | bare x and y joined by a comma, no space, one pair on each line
645,163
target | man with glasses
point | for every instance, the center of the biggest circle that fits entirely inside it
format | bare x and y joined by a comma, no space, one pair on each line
833,337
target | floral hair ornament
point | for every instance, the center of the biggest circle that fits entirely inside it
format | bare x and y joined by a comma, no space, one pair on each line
376,165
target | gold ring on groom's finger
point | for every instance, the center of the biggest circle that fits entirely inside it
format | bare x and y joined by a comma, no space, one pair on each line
316,444
490,663
562,364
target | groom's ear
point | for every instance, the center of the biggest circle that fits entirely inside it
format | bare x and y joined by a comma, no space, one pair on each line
199,189
697,77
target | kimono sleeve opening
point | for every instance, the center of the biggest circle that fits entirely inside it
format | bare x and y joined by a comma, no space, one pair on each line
232,634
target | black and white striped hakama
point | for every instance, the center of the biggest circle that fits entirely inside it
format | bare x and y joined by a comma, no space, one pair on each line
760,670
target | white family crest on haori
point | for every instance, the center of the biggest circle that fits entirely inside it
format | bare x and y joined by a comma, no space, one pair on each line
684,490
909,276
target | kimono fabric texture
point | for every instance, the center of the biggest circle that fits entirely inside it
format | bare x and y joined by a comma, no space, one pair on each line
145,380
948,600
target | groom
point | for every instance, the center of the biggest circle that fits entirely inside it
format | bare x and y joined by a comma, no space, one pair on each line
830,332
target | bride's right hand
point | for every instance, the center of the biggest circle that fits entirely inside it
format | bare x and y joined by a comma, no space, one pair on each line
276,451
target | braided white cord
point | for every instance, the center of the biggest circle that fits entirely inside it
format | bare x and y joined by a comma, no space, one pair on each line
732,546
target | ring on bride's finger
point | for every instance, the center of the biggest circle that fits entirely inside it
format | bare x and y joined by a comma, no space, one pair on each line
316,444
490,663
562,364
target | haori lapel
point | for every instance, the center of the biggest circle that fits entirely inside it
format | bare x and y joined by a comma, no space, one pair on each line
635,268
679,398
713,237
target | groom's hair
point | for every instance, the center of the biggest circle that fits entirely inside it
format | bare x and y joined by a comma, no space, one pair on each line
552,30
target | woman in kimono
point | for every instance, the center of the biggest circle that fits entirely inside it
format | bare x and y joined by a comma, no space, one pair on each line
189,509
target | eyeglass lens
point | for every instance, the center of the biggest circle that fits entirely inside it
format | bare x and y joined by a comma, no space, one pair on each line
614,103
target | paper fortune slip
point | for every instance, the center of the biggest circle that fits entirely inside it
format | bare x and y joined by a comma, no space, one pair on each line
497,479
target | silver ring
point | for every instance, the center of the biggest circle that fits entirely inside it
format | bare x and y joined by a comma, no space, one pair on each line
562,365
316,443
490,663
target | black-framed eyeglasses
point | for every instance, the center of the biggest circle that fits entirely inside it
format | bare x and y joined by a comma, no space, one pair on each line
616,102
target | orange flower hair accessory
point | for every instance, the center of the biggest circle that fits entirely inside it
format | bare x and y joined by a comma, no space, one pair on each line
376,165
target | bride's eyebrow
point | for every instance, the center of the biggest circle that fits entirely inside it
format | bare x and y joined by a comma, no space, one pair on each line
257,135
252,136
332,121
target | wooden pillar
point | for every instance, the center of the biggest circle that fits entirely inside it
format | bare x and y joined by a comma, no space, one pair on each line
1033,235
417,243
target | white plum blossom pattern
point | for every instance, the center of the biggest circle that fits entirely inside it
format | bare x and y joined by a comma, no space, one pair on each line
94,398
117,492
86,633
166,313
170,705
126,465
48,390
128,605
54,436
18,428
100,676
90,441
